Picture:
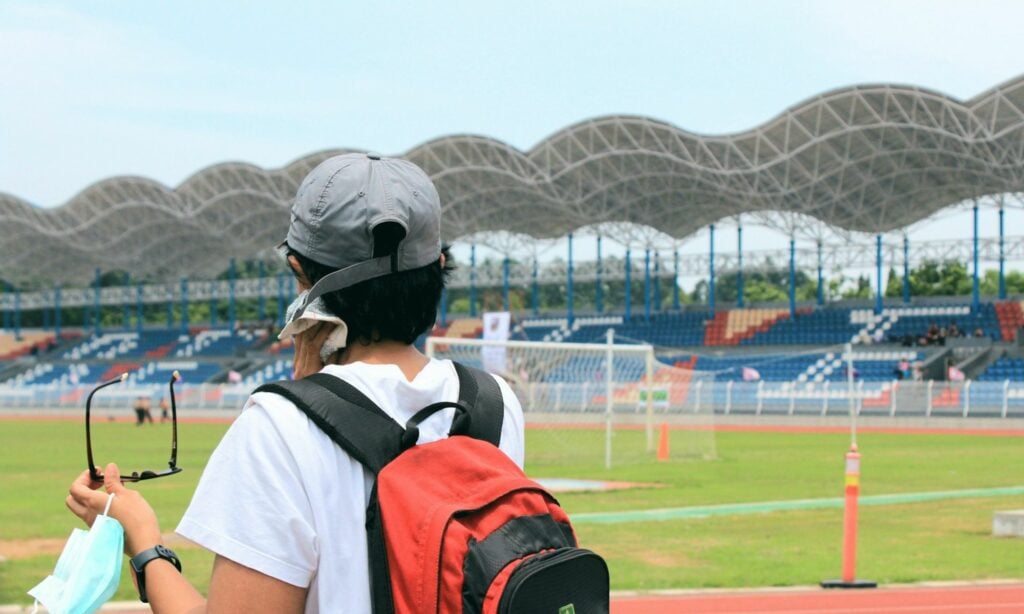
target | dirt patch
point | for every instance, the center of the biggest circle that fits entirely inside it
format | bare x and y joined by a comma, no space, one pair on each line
13,549
27,548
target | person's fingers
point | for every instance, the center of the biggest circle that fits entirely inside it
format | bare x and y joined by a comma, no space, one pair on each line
85,479
323,331
80,510
307,349
112,479
83,500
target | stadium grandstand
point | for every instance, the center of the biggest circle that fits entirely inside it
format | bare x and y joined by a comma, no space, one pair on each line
131,276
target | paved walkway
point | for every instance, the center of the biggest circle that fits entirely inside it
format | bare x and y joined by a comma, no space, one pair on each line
960,598
981,598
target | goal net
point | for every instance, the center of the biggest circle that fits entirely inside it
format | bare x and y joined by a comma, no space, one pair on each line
596,404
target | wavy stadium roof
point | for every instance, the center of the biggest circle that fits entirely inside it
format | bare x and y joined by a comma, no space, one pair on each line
871,158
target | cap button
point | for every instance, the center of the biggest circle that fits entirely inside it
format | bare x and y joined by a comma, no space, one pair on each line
373,156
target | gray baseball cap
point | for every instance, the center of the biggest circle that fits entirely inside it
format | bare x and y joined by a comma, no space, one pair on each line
340,203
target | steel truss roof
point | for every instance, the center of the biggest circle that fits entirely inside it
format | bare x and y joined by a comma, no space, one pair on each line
869,158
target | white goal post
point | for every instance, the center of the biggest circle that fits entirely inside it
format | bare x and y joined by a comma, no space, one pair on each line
571,390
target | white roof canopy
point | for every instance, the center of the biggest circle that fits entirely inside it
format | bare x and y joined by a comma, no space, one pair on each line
870,158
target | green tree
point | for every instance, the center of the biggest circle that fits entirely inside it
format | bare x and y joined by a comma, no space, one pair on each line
894,287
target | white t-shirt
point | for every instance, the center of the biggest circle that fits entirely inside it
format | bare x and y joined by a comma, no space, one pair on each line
280,497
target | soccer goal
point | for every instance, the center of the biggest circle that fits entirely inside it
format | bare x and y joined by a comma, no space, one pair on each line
592,403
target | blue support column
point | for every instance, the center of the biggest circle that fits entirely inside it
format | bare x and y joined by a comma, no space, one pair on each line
598,284
504,283
6,310
906,269
792,277
675,279
232,314
139,317
975,282
740,302
568,287
17,315
711,271
184,306
879,287
126,302
97,315
535,290
56,312
657,283
261,303
280,300
628,287
821,274
472,280
647,283
1002,255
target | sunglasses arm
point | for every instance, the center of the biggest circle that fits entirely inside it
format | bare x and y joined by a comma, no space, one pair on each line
173,462
94,475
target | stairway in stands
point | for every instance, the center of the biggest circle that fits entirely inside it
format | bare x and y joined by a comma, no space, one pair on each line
1011,318
734,326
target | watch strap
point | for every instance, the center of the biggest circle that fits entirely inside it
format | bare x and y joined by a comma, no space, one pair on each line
140,560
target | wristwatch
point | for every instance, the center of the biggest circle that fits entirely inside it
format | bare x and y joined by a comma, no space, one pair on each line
140,560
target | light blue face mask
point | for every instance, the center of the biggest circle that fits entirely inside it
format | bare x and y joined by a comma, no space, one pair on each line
88,570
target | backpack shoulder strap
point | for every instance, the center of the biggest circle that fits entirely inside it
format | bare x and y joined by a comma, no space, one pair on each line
346,415
480,394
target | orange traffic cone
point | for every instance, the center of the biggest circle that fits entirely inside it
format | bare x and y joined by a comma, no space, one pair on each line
663,443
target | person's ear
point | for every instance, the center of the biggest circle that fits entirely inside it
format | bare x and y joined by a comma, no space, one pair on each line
300,275
443,260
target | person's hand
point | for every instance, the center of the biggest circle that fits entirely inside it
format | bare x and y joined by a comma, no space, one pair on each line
85,500
307,349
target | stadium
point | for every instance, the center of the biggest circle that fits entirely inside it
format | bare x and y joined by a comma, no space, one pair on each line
134,277
871,160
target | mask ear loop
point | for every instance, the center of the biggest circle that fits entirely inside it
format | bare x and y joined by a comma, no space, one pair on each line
110,499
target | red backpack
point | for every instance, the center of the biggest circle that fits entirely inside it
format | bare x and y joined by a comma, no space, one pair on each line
454,525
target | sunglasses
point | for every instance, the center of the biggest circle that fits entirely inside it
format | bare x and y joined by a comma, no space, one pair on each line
135,476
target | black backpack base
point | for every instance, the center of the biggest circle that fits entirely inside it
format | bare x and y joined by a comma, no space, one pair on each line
560,582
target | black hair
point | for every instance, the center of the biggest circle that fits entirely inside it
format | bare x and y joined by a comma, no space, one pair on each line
396,307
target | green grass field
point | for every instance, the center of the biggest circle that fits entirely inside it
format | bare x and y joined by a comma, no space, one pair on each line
938,540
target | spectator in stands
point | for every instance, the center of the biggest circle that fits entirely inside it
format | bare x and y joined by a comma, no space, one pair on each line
979,332
902,369
953,330
281,506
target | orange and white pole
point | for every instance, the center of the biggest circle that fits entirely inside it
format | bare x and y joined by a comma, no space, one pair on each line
850,514
849,579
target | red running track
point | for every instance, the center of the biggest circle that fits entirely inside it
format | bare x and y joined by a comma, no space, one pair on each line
965,599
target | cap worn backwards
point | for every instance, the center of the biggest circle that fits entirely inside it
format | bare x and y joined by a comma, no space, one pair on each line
343,199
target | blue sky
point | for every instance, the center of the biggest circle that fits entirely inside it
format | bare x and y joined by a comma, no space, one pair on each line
162,89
